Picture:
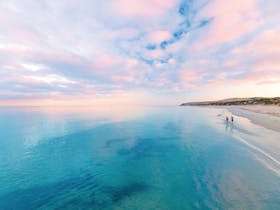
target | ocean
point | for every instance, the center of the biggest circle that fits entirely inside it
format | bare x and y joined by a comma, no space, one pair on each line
135,158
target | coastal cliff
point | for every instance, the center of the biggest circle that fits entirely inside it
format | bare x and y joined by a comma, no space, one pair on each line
237,101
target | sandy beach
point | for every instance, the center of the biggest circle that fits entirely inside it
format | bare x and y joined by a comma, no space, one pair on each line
267,116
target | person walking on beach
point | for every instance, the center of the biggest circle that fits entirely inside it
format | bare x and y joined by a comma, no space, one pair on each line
232,119
226,118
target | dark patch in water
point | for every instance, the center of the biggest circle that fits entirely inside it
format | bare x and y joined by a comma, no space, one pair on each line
170,126
146,148
111,142
118,194
99,164
33,198
124,152
76,193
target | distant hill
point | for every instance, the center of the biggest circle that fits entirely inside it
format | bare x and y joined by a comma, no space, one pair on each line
237,101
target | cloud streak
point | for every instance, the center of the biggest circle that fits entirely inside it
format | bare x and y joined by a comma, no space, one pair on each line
54,50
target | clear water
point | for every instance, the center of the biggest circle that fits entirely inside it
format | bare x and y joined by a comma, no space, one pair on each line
135,158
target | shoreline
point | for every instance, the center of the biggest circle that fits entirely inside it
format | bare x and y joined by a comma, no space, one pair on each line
267,116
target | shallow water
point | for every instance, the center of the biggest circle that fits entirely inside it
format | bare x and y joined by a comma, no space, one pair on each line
135,158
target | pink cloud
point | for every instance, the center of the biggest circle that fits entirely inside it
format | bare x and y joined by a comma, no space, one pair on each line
123,78
59,56
13,49
268,82
158,36
265,45
52,79
142,8
263,51
104,61
14,27
161,82
269,65
231,21
261,78
189,77
154,54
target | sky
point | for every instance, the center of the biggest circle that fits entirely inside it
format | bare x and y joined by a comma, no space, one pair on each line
150,52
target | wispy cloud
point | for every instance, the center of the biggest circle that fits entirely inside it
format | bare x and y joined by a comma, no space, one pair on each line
54,49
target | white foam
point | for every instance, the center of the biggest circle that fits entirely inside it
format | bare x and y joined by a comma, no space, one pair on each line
273,164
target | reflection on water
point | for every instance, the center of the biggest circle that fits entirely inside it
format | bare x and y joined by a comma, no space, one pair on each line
229,126
148,158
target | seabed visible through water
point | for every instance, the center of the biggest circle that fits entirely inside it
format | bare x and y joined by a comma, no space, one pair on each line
135,158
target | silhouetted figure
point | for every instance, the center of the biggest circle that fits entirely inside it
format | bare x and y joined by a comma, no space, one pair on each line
226,118
232,119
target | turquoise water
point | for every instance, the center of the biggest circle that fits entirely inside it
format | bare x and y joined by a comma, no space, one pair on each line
135,158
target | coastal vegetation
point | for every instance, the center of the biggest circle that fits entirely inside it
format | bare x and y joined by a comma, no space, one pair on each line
237,101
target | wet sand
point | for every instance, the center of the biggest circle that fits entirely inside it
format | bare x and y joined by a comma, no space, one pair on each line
267,116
